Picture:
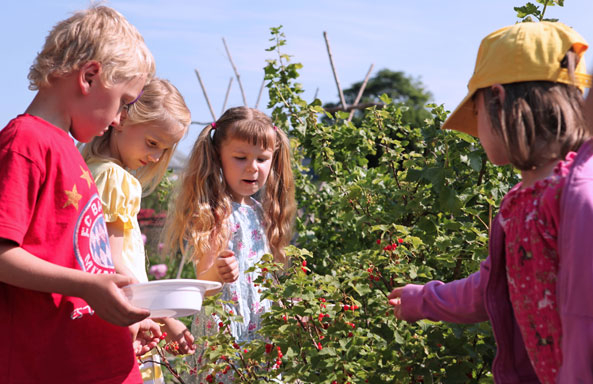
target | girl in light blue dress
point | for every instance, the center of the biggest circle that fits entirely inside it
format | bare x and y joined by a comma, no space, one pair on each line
226,228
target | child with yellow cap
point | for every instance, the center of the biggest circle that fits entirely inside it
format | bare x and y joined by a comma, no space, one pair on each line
525,105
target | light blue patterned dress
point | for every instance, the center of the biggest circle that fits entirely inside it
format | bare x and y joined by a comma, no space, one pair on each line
248,242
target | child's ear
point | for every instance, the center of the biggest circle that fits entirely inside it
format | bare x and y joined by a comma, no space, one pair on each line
498,92
117,127
123,117
88,74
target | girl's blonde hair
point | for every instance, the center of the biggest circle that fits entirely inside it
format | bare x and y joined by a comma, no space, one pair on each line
99,33
160,103
538,121
203,201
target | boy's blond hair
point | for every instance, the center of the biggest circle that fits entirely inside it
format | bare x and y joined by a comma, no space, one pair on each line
160,103
99,33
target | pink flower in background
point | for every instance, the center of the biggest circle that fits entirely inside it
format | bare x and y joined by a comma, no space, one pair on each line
161,246
144,238
158,271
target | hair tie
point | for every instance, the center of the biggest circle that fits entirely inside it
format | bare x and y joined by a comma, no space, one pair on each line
275,128
136,99
213,125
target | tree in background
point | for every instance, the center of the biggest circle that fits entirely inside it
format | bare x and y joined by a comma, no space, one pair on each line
402,90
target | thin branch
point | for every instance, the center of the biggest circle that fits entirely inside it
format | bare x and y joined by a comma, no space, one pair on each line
235,70
181,264
261,90
361,91
226,96
206,95
541,16
331,61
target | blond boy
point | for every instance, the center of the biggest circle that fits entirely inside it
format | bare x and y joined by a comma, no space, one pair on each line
62,312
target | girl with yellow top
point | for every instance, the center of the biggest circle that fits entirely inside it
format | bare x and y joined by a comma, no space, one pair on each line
142,141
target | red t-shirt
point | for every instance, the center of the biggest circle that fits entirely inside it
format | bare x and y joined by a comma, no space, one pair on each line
49,206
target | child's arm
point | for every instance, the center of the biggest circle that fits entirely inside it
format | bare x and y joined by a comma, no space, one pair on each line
177,331
116,243
575,272
101,291
460,301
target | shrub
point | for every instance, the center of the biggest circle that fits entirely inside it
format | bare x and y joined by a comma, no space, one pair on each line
422,211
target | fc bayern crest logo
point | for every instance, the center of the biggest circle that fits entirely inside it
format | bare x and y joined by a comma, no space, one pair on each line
91,240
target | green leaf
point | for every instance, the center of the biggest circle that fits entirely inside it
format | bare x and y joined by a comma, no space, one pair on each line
475,160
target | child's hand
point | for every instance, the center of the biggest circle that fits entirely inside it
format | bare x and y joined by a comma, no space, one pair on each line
102,292
395,301
177,331
227,266
145,336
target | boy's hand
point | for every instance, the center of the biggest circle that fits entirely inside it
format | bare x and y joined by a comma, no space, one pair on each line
145,336
103,294
177,331
227,266
395,301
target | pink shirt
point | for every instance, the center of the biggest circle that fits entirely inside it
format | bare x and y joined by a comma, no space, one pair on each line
530,219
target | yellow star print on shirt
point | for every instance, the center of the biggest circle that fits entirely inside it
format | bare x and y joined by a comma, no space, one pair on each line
73,197
86,175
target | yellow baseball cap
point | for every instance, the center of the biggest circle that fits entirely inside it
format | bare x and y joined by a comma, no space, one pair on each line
530,51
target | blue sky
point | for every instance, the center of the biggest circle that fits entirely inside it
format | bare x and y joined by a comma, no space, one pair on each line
433,40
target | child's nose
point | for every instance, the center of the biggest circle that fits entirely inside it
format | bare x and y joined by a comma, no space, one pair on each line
154,156
252,166
116,120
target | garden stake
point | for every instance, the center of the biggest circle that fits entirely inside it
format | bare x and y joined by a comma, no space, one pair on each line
226,96
360,91
261,89
331,61
235,70
205,95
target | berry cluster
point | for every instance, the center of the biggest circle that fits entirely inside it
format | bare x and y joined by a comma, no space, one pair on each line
278,362
392,246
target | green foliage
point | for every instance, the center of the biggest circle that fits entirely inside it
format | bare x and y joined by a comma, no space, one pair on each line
525,12
421,211
158,200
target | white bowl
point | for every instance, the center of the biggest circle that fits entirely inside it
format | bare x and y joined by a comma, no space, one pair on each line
170,298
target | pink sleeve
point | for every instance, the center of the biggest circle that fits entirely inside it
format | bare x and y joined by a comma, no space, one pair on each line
575,274
460,301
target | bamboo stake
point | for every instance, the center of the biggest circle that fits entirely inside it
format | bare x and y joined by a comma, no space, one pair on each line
226,96
206,95
316,93
181,264
360,92
261,89
331,61
235,70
